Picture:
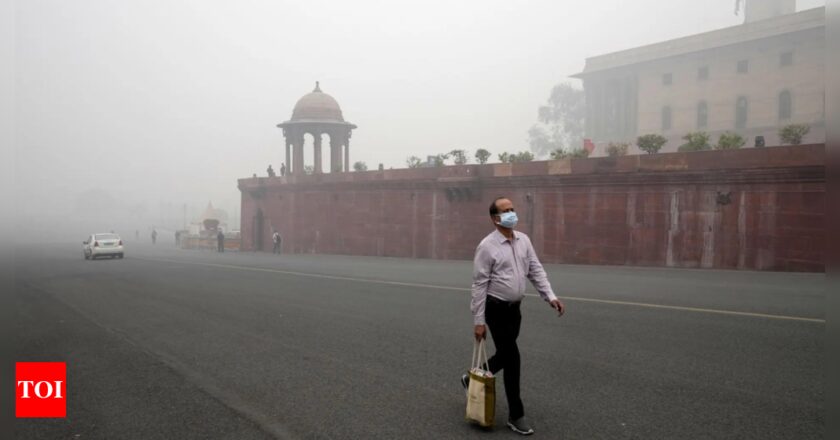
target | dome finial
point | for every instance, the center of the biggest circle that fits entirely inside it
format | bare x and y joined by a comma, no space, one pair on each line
317,86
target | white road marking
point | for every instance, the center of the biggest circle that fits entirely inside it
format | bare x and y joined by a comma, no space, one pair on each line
464,289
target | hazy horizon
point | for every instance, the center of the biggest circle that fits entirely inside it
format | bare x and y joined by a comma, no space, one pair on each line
162,104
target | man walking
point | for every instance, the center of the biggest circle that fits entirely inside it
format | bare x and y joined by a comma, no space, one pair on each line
503,260
276,239
220,237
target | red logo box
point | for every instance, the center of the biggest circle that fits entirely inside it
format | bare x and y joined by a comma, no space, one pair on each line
41,389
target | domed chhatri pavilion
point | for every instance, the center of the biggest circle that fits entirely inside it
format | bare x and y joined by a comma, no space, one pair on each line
317,114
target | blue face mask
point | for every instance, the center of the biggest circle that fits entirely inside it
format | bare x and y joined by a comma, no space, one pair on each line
508,219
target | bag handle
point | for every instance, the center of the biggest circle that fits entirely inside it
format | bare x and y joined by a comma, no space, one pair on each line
479,348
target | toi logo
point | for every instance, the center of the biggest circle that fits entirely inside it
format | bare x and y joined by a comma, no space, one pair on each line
41,389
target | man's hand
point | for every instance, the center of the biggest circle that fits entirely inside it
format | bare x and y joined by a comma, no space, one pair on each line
480,332
558,305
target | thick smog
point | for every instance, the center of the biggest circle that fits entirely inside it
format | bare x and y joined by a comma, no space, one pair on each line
366,219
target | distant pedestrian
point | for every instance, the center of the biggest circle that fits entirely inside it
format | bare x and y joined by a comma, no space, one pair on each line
137,234
270,171
154,236
177,238
503,260
276,239
220,238
282,169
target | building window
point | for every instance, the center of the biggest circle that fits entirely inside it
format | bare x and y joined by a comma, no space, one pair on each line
667,79
666,118
741,113
703,73
702,115
785,106
743,66
786,59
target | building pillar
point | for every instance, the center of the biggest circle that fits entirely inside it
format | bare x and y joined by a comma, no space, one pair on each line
620,108
317,167
335,154
602,110
298,159
589,122
347,155
288,156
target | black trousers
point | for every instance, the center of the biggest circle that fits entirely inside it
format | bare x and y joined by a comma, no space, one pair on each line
221,246
504,319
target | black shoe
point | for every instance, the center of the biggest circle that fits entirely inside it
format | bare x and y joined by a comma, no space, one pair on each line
520,426
465,381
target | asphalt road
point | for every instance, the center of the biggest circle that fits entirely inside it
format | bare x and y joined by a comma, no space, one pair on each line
181,344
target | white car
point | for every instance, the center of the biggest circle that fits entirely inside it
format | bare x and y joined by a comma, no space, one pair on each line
102,245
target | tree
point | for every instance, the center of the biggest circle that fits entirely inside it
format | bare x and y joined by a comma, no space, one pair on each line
504,157
730,141
413,162
651,143
459,156
617,149
308,169
696,141
360,166
439,160
793,133
481,155
560,122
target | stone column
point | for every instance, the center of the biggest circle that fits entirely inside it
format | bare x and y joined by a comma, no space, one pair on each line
317,167
298,143
335,153
602,113
288,156
347,154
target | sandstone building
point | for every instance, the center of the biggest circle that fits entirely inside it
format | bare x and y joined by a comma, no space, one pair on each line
751,79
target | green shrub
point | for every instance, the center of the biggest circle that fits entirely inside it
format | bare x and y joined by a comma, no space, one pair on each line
522,156
651,143
558,154
696,141
617,149
792,134
730,141
580,153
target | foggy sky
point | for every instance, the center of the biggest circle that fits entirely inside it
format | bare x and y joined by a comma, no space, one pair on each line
171,101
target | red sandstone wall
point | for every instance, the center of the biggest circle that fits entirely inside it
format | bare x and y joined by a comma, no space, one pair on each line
748,209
